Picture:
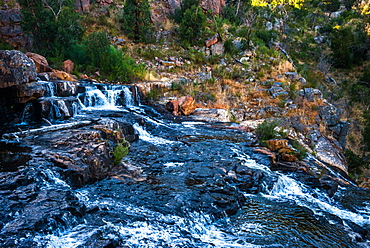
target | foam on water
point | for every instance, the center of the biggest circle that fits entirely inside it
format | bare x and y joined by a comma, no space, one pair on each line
287,188
156,230
144,135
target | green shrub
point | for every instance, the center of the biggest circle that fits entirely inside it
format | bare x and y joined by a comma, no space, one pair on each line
267,130
302,151
119,152
192,26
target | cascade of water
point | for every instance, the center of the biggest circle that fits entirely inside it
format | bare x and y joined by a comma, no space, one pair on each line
107,97
287,188
144,135
50,89
129,100
28,108
63,108
56,111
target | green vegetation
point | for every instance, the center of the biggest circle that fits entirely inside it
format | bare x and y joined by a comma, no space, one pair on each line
268,130
120,151
192,26
136,20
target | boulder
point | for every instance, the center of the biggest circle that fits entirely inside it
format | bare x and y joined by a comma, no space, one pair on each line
310,94
211,41
184,105
66,88
277,144
29,91
330,115
60,75
203,114
330,152
41,63
68,66
16,68
187,105
217,49
57,108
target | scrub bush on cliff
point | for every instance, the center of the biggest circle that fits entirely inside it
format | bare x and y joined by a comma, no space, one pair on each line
52,24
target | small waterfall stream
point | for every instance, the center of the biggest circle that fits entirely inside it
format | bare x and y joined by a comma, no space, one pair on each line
178,187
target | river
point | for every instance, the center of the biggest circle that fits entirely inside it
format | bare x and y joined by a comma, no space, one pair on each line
188,183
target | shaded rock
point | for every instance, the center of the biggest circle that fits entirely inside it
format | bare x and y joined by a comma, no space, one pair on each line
288,157
16,68
10,28
217,49
83,5
66,88
216,6
293,76
28,91
330,115
41,63
310,94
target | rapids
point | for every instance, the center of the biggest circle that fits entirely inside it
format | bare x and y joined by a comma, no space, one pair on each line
181,185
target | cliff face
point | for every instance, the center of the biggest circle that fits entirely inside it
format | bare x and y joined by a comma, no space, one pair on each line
10,28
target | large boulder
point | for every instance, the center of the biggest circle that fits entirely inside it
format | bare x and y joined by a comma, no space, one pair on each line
83,5
215,5
16,68
41,63
184,105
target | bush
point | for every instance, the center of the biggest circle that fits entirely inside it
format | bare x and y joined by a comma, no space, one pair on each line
96,53
119,152
267,130
192,26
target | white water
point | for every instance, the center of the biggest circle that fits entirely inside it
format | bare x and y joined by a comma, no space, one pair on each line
144,135
157,230
287,188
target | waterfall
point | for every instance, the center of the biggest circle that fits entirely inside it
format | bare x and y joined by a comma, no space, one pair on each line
144,135
107,97
50,89
287,188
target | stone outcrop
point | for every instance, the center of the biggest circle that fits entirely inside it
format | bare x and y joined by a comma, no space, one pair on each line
16,68
184,105
10,28
216,6
83,5
40,61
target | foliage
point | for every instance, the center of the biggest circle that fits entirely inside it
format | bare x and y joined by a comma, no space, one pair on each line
349,45
119,152
96,53
53,25
136,20
5,46
192,26
302,151
355,162
267,130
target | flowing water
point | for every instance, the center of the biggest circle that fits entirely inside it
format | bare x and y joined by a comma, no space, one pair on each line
165,194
